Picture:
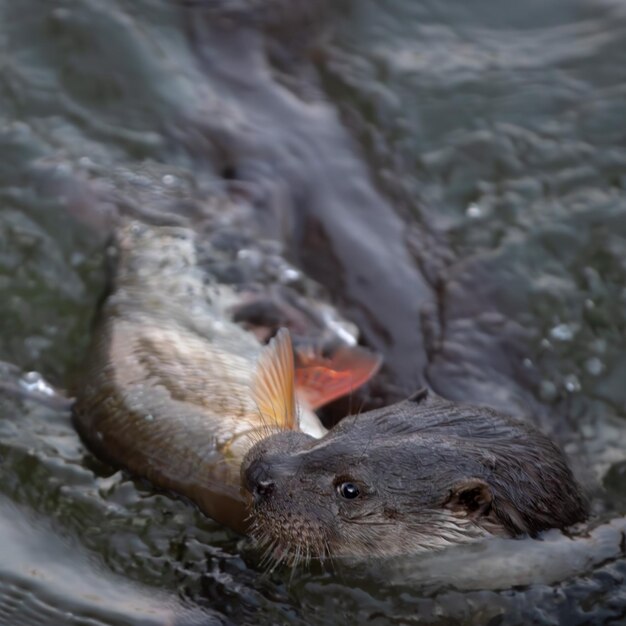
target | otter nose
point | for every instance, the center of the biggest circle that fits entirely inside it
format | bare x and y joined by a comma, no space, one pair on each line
258,480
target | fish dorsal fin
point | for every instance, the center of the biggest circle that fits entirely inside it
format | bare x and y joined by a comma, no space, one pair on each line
321,379
274,383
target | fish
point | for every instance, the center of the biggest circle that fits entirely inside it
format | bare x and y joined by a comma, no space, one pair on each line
179,384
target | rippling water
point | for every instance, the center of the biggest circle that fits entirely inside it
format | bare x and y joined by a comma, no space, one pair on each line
453,172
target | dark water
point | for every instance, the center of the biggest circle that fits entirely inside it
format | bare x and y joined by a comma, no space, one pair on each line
453,172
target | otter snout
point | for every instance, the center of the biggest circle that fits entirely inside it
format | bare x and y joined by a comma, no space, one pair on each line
269,463
258,480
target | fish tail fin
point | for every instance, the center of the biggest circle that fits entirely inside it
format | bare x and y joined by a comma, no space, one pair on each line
321,379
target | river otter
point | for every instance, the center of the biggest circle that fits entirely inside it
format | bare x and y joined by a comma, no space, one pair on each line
415,476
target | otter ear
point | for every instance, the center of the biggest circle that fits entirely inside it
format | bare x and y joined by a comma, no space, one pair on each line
472,497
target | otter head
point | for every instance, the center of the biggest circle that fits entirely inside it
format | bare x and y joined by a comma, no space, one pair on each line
415,476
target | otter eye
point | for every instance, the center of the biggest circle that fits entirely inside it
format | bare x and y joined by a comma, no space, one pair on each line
349,491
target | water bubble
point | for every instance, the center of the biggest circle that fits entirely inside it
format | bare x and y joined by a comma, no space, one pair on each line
527,363
289,275
571,383
31,377
168,180
571,448
149,417
548,391
590,304
563,332
63,169
474,210
34,382
253,258
343,330
545,344
594,366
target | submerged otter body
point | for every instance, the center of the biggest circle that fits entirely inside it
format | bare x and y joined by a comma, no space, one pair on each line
415,476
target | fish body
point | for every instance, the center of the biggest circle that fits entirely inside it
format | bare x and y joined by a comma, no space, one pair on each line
173,390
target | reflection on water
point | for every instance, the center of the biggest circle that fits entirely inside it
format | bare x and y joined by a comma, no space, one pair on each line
453,172
40,585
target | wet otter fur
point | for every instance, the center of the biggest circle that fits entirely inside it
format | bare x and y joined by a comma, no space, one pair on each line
419,475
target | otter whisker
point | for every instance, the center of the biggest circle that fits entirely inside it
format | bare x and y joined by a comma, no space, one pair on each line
268,556
366,447
294,563
261,414
327,555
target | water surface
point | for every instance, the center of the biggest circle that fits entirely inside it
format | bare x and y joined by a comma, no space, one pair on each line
453,174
